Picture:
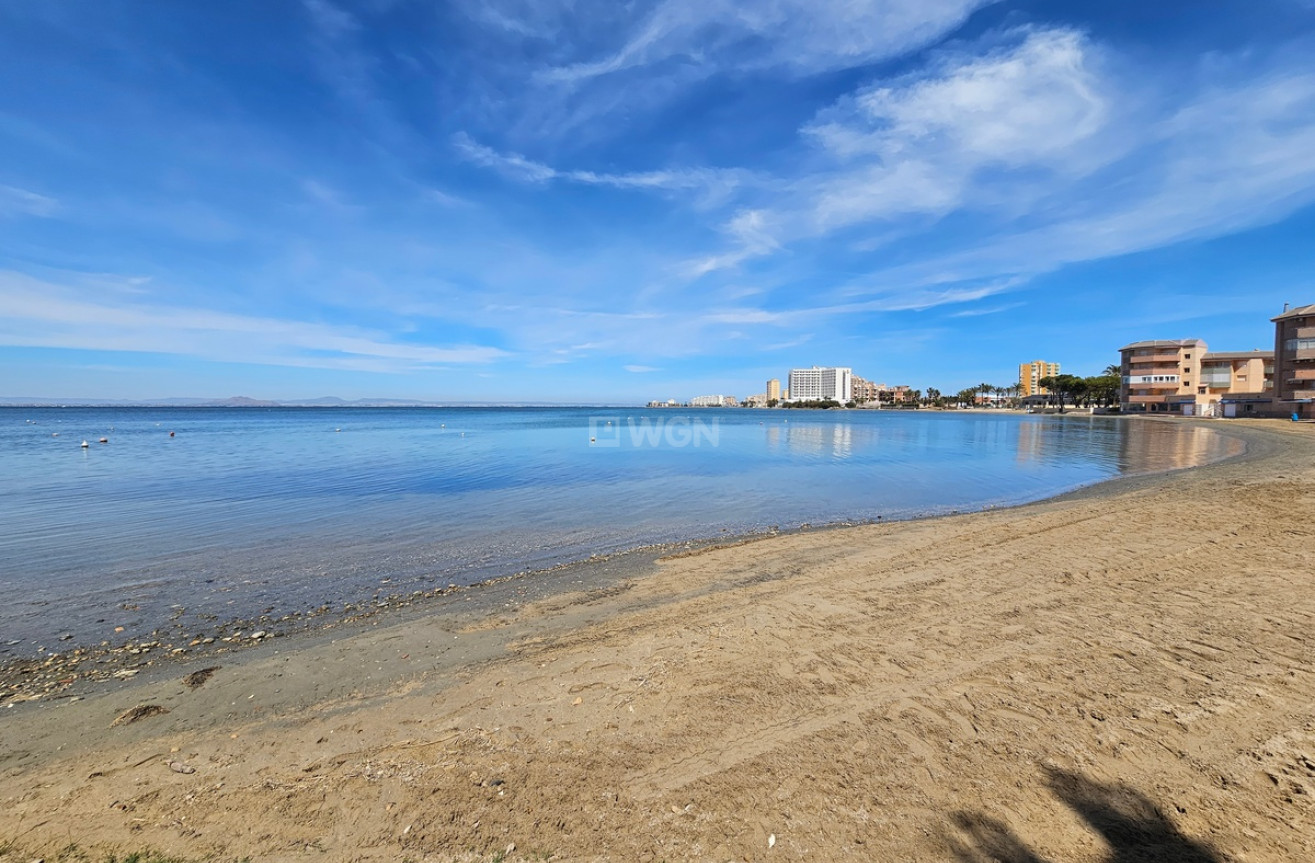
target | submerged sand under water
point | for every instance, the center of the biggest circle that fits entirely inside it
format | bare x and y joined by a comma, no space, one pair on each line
1125,673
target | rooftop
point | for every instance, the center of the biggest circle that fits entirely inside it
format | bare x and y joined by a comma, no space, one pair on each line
1165,343
1298,312
1238,355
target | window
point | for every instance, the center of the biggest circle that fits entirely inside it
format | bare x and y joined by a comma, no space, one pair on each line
1187,356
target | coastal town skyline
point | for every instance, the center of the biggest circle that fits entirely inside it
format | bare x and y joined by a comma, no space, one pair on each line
585,202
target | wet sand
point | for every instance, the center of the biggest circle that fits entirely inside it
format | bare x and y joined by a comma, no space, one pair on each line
1126,672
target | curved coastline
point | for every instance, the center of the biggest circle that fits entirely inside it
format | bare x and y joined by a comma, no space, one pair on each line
1076,640
161,653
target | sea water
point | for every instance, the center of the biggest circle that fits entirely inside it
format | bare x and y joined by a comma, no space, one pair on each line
223,513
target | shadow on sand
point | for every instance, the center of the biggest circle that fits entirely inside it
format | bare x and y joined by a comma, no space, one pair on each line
1134,828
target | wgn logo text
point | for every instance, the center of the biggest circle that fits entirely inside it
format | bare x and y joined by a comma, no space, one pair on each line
675,432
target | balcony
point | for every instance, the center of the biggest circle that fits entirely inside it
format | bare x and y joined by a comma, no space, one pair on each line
1155,385
1302,374
1145,400
1168,359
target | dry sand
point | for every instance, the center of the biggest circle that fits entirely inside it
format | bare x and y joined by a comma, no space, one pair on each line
1126,673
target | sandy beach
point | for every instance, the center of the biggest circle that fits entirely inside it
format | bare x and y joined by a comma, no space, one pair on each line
1123,673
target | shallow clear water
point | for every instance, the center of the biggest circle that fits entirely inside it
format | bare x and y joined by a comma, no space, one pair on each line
251,509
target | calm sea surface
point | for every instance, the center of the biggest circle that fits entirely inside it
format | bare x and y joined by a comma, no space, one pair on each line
247,510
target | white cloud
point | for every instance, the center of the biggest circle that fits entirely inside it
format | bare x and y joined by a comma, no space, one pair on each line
45,314
639,370
438,196
512,165
939,140
714,184
933,143
804,36
21,202
1024,104
1048,150
990,310
1234,157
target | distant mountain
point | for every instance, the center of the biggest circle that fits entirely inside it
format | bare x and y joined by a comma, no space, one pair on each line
248,402
239,402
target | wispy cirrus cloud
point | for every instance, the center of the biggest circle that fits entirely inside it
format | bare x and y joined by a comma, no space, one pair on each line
1057,153
804,36
51,315
968,132
22,202
652,184
712,184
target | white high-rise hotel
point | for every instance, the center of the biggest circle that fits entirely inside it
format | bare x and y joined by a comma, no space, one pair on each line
818,384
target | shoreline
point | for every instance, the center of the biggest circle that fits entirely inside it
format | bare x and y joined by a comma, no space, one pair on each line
919,690
83,670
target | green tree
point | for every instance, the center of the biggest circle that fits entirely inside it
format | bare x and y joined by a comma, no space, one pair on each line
1104,389
1067,389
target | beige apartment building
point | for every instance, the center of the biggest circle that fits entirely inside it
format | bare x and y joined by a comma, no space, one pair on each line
774,389
1181,376
1030,375
1160,376
869,391
1235,383
1294,362
864,390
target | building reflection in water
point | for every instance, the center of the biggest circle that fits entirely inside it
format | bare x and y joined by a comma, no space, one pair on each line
1164,446
1141,446
831,440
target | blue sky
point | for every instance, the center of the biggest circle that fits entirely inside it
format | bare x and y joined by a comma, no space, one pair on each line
586,200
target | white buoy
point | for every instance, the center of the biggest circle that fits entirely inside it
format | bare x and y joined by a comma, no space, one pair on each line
84,444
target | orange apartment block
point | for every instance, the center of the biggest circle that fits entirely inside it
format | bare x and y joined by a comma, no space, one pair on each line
1030,375
1236,383
1160,376
1181,376
1294,362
